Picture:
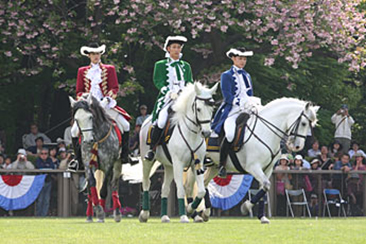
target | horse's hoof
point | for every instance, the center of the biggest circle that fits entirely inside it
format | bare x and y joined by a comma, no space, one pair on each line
206,214
100,221
198,219
117,215
264,220
246,207
89,219
165,219
100,212
144,216
189,209
184,219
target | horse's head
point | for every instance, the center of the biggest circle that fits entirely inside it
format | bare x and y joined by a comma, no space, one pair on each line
203,107
299,129
196,105
85,112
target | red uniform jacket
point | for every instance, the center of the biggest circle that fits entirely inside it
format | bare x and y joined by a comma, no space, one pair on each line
109,85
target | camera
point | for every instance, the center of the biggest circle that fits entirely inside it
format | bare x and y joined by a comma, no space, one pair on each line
342,111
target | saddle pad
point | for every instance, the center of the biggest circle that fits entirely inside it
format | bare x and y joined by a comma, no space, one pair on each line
167,133
213,143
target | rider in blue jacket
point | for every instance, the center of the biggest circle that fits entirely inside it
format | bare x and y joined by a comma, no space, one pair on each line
236,87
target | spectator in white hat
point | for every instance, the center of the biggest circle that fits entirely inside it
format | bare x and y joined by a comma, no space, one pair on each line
22,162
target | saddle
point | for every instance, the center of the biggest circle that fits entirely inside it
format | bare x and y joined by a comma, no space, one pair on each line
213,143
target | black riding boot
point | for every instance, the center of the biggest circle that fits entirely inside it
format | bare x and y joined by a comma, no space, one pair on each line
224,151
125,153
155,136
76,161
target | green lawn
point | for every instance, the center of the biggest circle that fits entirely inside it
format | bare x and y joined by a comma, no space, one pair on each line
217,230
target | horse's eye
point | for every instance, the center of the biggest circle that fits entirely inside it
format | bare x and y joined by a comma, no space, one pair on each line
198,110
303,124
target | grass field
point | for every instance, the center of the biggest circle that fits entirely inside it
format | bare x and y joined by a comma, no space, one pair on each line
217,230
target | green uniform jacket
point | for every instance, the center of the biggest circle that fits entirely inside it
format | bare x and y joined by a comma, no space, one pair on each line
162,83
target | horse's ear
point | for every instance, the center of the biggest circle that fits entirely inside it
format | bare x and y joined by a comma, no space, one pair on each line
307,106
214,88
316,108
72,101
197,89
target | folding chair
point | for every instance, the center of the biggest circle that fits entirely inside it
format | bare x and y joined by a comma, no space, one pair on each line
304,202
336,200
253,192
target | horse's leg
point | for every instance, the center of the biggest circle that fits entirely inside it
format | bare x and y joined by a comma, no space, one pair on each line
168,178
265,185
104,190
94,195
210,173
145,212
89,210
199,176
178,177
117,168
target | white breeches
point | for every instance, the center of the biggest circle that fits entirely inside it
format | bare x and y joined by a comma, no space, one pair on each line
163,116
122,123
229,126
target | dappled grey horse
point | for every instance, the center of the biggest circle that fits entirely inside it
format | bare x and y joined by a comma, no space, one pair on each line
100,149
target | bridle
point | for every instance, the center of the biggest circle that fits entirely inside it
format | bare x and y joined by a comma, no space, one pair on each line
197,122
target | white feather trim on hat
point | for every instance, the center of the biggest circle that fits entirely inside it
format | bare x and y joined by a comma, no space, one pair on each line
238,53
174,38
86,50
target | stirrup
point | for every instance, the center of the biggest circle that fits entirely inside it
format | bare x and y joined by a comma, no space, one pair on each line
222,172
150,155
73,166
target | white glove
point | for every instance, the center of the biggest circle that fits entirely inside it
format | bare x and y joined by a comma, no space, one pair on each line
173,95
108,103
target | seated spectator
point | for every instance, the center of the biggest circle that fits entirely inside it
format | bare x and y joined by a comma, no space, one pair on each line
140,119
346,167
282,183
7,163
29,140
60,144
355,186
314,151
314,178
335,148
356,149
35,150
314,204
62,153
300,163
324,158
315,164
43,201
53,157
22,162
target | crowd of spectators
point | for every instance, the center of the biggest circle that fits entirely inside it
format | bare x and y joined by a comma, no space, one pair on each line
341,155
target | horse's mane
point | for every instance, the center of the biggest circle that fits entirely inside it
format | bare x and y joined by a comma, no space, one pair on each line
185,99
292,101
99,114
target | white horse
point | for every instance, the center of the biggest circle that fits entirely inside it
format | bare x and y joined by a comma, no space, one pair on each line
287,118
193,112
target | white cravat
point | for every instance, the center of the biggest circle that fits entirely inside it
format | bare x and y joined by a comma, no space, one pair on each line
95,76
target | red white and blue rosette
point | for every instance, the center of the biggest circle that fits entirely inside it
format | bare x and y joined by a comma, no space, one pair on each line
19,191
228,192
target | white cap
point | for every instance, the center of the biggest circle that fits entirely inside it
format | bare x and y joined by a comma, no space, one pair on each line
298,156
22,151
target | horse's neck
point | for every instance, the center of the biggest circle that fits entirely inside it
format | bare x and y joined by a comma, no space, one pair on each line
187,127
282,117
102,130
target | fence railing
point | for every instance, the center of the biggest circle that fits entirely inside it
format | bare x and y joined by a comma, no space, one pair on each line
320,179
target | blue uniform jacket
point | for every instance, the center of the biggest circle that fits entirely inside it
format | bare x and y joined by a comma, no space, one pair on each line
229,87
